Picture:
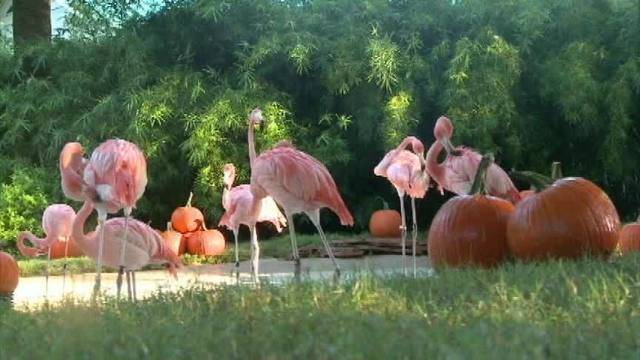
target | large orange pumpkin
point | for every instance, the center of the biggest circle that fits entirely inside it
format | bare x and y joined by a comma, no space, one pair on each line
629,240
186,218
571,218
9,274
470,230
385,223
174,240
205,242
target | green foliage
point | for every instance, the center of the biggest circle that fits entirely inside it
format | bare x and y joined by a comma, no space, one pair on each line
581,309
532,81
24,194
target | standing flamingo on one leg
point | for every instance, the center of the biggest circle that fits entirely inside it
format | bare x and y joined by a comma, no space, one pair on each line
146,246
457,171
57,223
238,202
296,181
405,170
115,178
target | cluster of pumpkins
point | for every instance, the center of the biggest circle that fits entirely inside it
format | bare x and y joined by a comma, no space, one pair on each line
567,219
187,233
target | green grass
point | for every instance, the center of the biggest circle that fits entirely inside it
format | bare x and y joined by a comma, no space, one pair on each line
583,309
278,247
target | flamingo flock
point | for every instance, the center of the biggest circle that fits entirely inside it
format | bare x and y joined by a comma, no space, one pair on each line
284,181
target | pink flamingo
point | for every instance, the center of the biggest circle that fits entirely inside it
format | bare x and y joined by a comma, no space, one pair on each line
57,223
405,170
457,171
296,181
114,178
237,202
146,246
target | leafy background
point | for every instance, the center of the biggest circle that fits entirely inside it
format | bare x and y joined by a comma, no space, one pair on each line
533,81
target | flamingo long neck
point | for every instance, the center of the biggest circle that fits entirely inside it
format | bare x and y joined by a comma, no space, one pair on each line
226,192
435,169
78,226
252,145
26,250
403,145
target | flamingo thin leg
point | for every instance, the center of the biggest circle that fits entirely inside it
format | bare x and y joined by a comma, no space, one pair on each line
123,248
315,219
255,253
46,275
294,244
65,265
414,235
128,285
235,238
403,229
102,218
133,281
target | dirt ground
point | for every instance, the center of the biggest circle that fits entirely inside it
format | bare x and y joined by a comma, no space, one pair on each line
31,290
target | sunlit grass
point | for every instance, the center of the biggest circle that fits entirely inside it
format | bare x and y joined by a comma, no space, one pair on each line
583,309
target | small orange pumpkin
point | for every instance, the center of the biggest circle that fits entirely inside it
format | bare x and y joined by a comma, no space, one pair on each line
9,274
205,242
629,240
174,240
470,229
59,248
186,218
385,223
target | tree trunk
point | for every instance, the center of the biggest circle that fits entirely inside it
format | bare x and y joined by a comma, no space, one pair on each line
31,21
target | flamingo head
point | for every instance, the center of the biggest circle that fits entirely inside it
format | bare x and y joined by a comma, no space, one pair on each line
443,131
255,117
72,156
229,171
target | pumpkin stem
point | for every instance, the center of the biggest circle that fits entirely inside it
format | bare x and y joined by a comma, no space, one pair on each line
556,170
479,181
189,200
538,181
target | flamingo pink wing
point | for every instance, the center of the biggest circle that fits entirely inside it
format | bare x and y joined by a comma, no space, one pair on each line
303,178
